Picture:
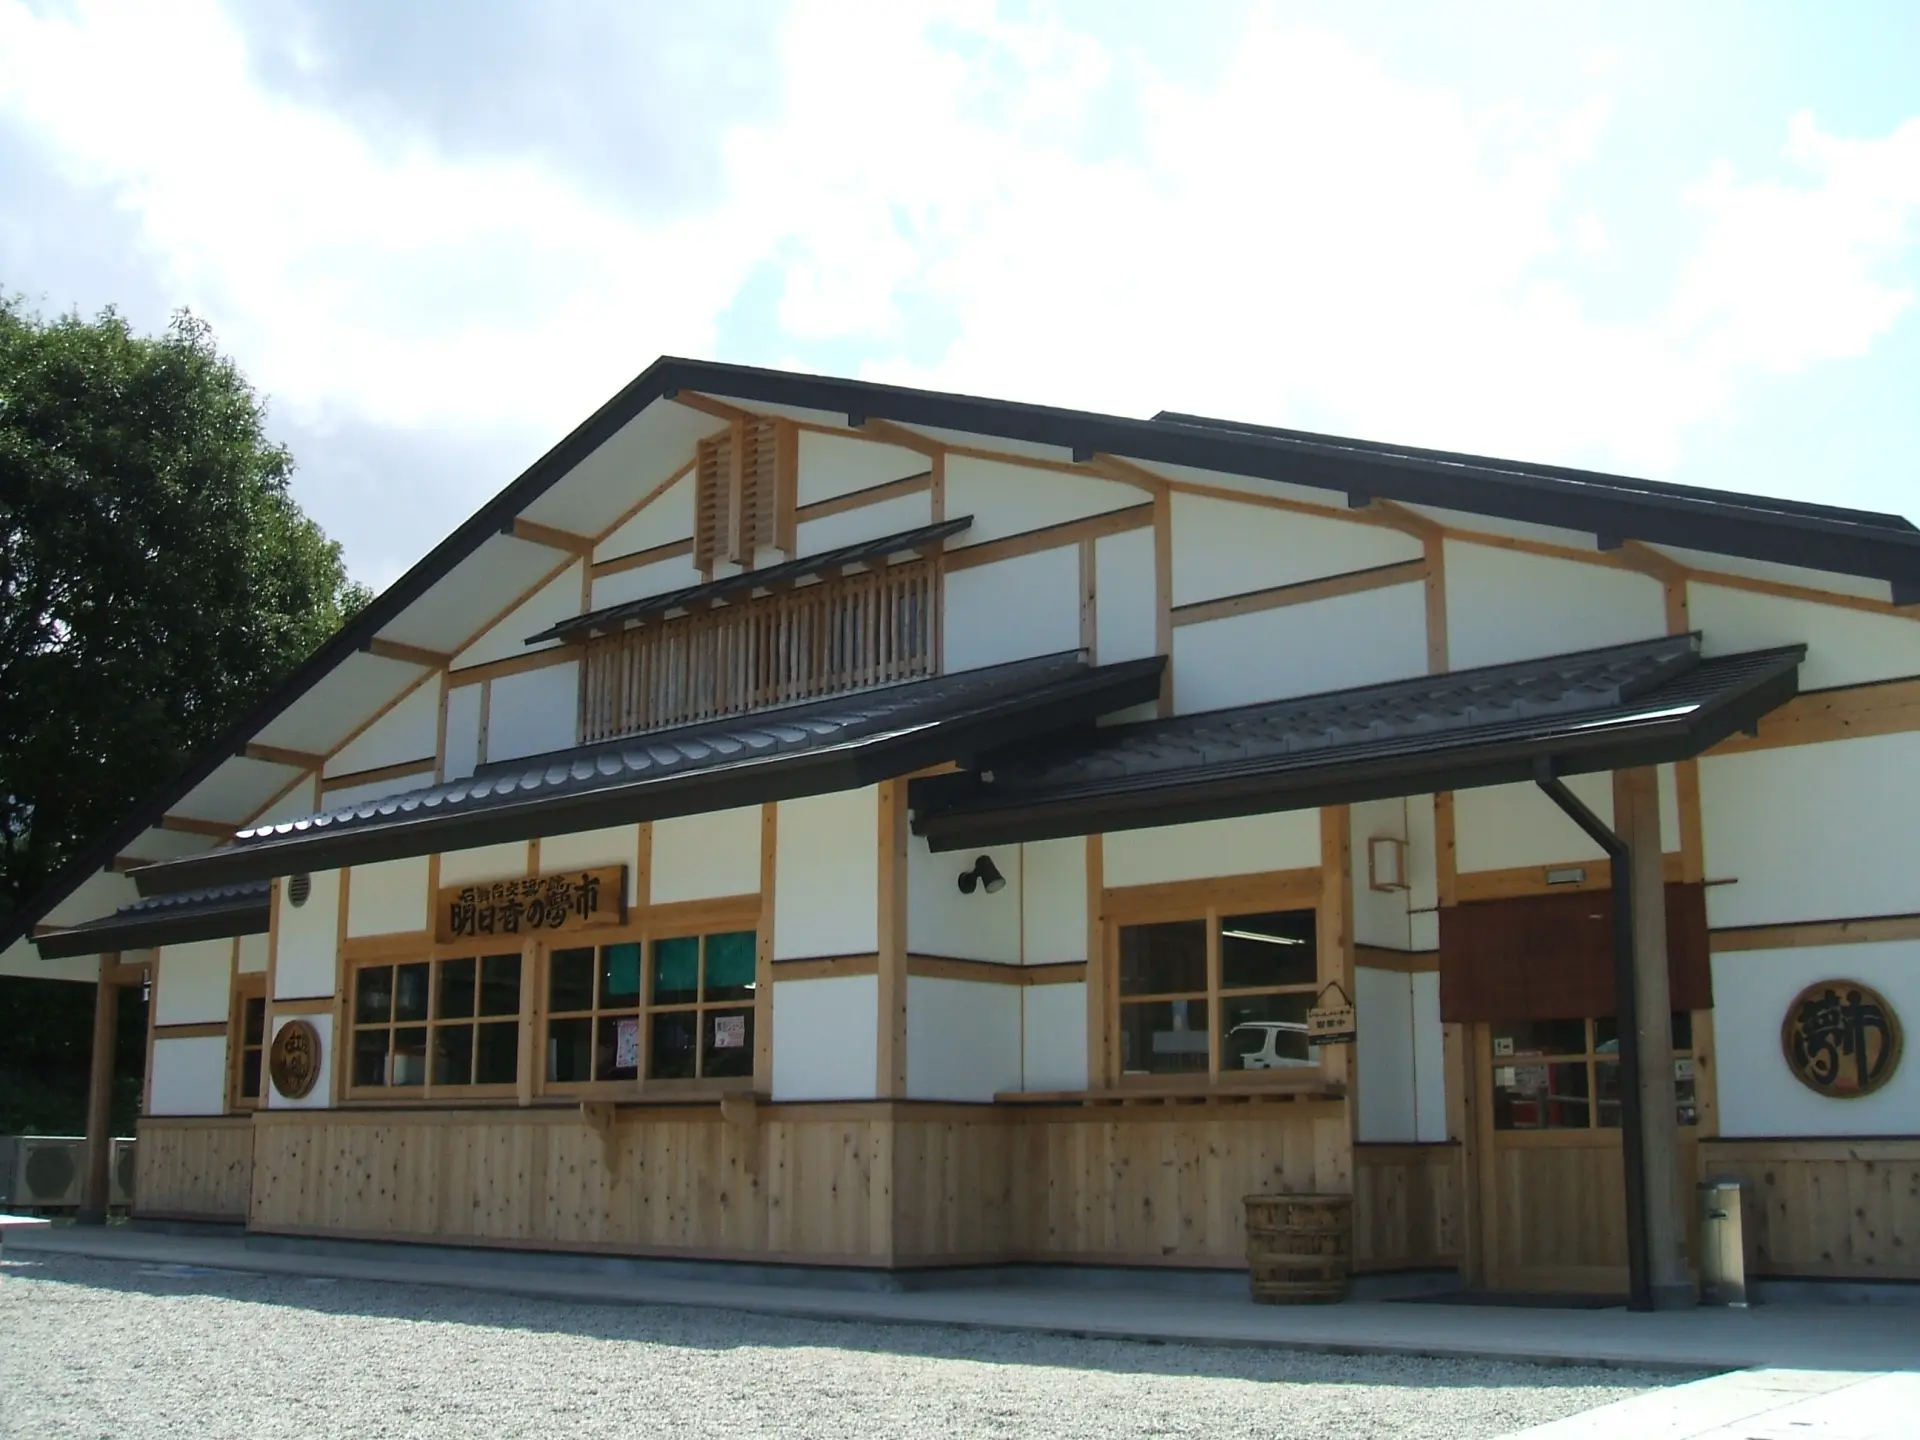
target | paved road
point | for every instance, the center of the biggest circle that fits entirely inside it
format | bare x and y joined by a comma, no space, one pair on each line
96,1348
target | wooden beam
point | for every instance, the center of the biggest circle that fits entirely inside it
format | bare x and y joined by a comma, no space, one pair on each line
402,770
718,409
188,825
1405,962
1113,467
552,538
1051,537
1648,561
871,495
407,654
275,755
889,433
653,555
94,1192
891,1080
1162,520
1407,572
1867,930
1851,713
1400,517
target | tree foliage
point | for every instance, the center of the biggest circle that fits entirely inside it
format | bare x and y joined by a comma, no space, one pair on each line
156,576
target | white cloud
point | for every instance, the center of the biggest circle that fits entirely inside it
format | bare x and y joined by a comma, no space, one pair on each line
1307,238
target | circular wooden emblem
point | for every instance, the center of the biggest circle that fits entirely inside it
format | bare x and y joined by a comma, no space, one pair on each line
1841,1038
294,1060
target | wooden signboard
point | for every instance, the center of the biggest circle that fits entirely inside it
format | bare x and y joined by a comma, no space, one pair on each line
1841,1038
553,904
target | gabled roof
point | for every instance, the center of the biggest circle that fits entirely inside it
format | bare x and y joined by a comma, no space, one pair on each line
841,743
1648,703
402,636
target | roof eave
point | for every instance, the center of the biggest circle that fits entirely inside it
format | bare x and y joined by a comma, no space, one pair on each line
146,932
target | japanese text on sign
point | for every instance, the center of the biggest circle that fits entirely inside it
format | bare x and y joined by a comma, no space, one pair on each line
532,905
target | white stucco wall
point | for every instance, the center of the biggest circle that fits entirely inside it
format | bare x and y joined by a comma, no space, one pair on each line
1379,916
1361,639
1757,1092
826,1043
308,940
963,1039
867,522
702,857
668,518
615,845
942,921
833,465
189,1076
1502,826
1223,547
409,731
533,712
1511,605
1054,1041
826,893
553,602
1013,609
1429,1060
1248,845
193,983
1053,897
1383,1002
388,898
253,954
1011,499
1126,615
463,731
1844,647
484,862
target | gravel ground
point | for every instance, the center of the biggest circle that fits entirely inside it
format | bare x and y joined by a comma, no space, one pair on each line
93,1348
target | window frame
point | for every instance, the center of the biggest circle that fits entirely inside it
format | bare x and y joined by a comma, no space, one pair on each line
247,986
1593,1059
434,957
1208,901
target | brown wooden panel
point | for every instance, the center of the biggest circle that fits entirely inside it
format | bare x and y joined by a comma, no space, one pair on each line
1407,1206
1550,957
1830,1209
198,1168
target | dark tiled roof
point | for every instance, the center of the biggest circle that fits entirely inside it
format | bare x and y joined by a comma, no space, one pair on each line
211,914
1644,703
838,743
807,567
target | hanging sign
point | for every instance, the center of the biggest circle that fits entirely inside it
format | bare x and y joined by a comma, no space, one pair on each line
293,1060
533,905
1841,1039
1331,1024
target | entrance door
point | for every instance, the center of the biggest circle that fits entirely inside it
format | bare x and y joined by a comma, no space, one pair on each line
1551,1182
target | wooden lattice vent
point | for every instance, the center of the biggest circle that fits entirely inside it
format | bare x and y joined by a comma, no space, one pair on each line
848,633
744,492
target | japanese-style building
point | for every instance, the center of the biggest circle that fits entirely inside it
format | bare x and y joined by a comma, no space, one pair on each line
809,821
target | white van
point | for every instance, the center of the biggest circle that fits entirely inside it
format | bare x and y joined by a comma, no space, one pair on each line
1270,1045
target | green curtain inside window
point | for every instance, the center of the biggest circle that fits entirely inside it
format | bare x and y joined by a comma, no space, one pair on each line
620,974
676,970
730,960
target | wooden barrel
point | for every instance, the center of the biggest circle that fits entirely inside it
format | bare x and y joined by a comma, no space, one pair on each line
1299,1247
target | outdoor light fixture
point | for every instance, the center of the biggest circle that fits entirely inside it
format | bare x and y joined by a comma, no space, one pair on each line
1386,863
983,872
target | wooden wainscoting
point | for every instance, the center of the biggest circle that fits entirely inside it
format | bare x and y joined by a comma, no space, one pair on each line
194,1168
1408,1206
1165,1185
1827,1209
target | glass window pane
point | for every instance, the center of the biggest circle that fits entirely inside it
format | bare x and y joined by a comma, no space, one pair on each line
369,1056
616,1050
410,1056
1537,1096
731,962
253,1020
726,1038
373,996
570,1050
1272,949
1513,1038
1266,1032
453,1054
497,1055
1683,1030
1606,1033
249,1074
410,992
676,971
500,985
1168,959
455,1000
570,981
1164,1037
619,977
671,1040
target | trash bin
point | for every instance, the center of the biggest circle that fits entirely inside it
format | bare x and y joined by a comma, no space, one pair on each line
1723,1252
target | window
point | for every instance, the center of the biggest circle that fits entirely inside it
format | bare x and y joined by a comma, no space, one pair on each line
437,1025
1220,994
249,1040
687,1014
1565,1074
817,639
744,492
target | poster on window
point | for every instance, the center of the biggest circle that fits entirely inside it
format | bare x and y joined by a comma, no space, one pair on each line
729,1032
626,1044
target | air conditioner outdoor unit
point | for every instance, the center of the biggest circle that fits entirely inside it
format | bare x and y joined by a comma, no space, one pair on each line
48,1172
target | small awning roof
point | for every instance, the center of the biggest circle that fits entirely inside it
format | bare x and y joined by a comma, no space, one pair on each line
825,566
840,743
176,919
1648,703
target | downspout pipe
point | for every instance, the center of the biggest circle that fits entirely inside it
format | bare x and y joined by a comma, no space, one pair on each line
1627,1003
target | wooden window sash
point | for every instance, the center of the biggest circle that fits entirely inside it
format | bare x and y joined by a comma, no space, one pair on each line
435,957
251,986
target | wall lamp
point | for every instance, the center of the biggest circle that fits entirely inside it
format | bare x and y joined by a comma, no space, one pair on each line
983,872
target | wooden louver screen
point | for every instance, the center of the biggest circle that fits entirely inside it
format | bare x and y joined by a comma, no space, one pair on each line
844,634
742,507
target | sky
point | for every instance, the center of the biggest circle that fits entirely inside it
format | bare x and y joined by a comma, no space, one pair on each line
1679,241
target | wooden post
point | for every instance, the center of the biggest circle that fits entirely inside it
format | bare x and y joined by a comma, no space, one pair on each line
891,1081
1338,1063
1636,819
94,1191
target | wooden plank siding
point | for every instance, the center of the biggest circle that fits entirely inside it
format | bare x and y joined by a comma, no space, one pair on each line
845,634
198,1168
1408,1207
1826,1209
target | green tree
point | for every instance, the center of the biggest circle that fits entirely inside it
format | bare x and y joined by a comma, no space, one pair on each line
156,576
